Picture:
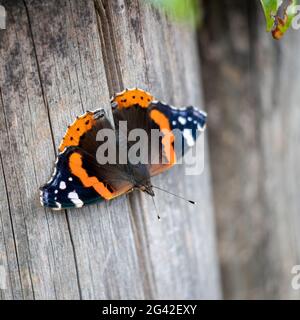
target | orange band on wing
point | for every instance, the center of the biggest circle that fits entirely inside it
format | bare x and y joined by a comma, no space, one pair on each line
163,122
130,97
81,125
75,163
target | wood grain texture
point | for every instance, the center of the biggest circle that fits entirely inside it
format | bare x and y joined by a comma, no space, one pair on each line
59,58
251,89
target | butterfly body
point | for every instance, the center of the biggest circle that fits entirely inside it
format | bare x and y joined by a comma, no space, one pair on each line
81,178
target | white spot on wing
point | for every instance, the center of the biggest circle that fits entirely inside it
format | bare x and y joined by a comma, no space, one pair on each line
73,196
62,185
58,206
70,179
187,133
201,128
182,120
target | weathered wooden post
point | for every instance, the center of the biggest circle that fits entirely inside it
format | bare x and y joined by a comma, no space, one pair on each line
59,58
252,92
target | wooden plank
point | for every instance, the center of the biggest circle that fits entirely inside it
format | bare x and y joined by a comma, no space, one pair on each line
58,59
27,154
251,86
73,77
165,63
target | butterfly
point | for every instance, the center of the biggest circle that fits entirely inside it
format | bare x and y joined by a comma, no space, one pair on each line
80,179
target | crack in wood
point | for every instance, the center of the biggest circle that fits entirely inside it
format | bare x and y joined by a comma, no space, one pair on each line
109,48
39,74
53,141
9,204
141,242
10,217
115,83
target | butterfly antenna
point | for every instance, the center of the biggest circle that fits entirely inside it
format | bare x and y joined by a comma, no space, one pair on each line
157,213
175,195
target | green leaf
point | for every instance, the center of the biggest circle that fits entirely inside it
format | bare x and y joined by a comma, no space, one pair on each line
187,11
270,8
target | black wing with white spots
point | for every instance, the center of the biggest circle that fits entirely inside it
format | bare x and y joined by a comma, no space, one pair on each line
64,190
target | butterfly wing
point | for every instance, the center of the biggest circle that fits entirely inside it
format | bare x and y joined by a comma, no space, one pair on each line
131,97
65,190
178,129
79,128
79,178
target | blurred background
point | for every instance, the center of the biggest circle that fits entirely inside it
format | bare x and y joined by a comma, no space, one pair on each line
251,85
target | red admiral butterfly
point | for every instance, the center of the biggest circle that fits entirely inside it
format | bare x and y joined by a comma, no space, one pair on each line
79,179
